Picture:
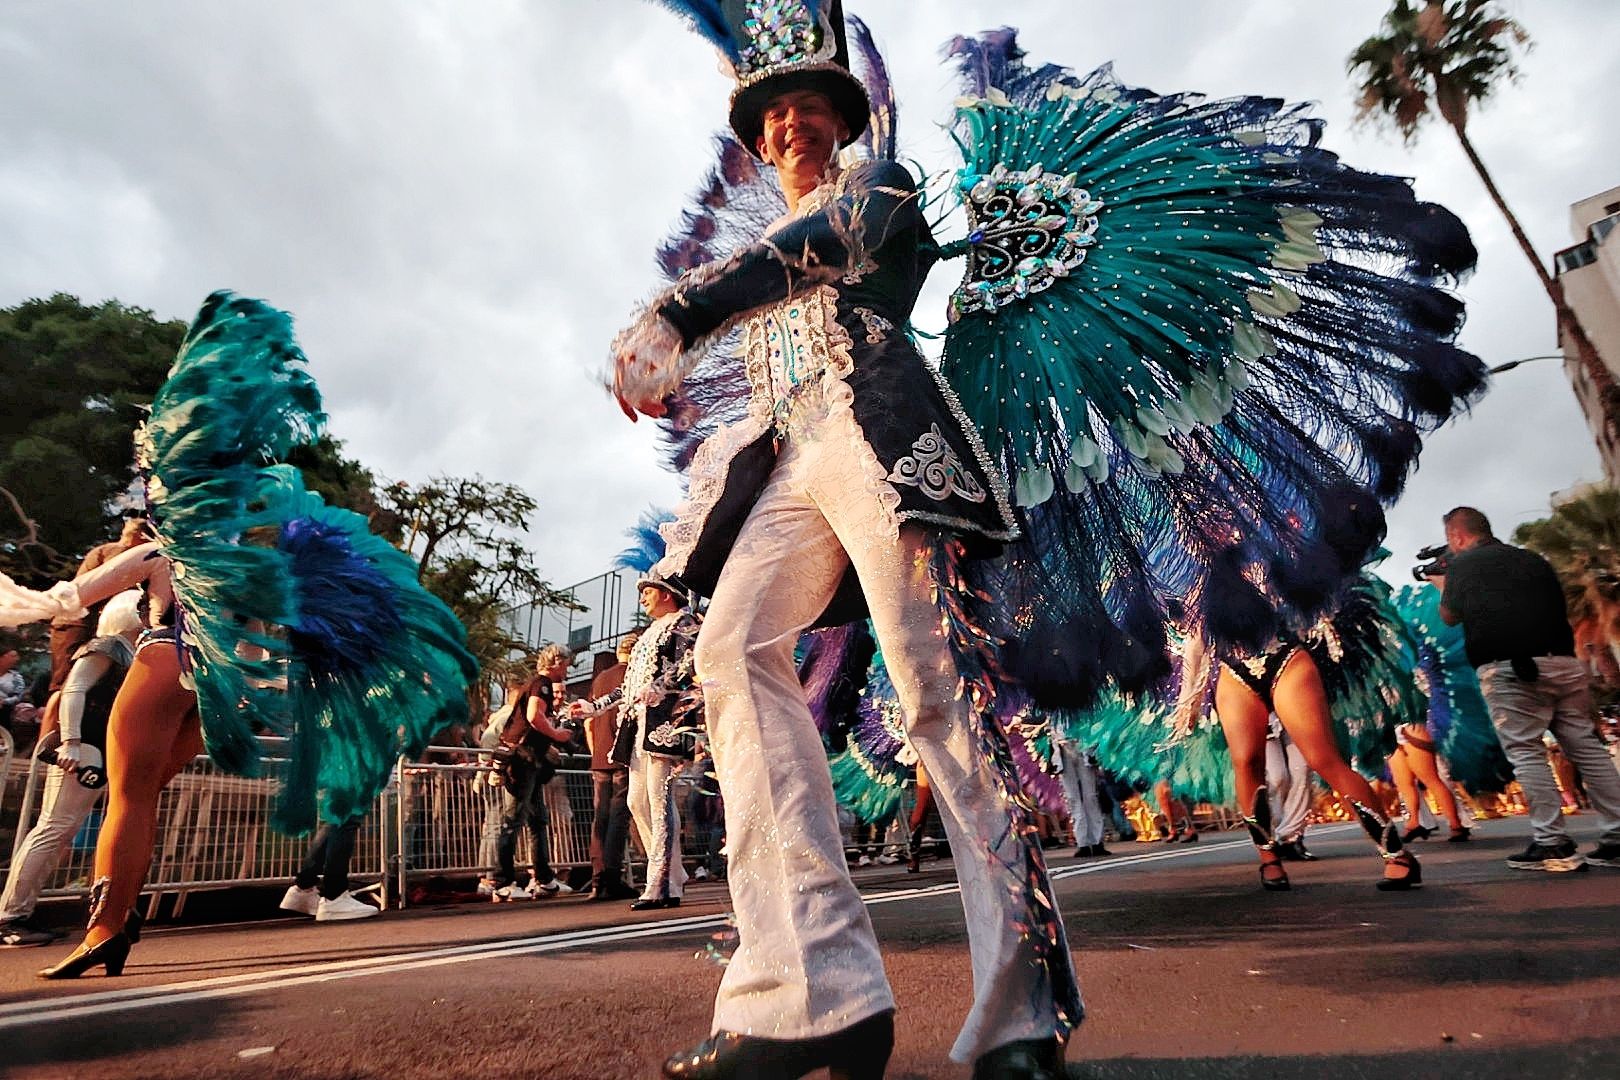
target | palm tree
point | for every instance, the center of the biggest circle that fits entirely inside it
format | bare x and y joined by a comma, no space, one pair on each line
1449,55
1582,541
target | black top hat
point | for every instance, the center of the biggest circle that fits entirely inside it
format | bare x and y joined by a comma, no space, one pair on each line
777,46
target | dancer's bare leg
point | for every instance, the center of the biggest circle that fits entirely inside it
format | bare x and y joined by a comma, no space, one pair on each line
1244,719
152,734
1301,705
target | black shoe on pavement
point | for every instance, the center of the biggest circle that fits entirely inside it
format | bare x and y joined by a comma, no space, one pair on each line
1027,1059
1459,836
22,934
1417,832
656,905
859,1052
1604,855
1559,857
612,890
1295,851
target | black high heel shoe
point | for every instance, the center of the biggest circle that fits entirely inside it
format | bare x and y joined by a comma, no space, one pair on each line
1459,836
1258,822
1277,881
1027,1059
111,954
1412,879
1417,832
859,1052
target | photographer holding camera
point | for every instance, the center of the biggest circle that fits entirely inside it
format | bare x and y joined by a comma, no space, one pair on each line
1516,630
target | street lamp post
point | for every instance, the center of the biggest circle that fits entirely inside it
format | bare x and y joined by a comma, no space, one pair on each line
1511,364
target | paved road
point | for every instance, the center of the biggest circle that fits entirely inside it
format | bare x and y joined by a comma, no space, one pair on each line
1188,968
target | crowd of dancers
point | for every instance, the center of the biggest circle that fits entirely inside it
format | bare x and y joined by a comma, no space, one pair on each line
1191,358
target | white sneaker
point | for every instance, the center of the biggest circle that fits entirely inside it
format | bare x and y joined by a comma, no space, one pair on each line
554,887
700,873
344,907
888,859
864,860
303,901
486,887
507,893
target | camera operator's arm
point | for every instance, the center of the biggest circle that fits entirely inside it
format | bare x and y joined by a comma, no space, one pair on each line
540,720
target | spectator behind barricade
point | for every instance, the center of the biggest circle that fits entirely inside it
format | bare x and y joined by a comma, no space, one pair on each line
610,781
1517,635
706,812
76,754
13,688
490,791
527,757
326,864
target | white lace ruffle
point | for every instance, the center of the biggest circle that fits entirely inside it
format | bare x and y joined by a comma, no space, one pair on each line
711,467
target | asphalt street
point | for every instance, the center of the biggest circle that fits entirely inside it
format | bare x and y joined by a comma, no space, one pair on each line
1188,968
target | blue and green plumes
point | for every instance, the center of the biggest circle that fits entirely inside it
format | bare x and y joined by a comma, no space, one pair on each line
294,618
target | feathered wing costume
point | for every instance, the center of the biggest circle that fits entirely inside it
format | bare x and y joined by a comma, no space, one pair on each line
1203,349
1199,350
1458,717
291,616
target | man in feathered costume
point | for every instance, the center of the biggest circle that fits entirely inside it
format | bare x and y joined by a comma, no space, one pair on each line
824,500
1191,355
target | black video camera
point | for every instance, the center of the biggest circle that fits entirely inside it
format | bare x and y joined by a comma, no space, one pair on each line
1435,559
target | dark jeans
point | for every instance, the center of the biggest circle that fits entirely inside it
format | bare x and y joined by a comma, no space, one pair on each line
327,859
525,806
706,815
610,824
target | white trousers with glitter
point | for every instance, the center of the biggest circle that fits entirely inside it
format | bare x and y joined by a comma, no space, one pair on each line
807,961
652,808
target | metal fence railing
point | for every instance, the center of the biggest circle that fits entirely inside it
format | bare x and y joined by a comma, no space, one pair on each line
438,818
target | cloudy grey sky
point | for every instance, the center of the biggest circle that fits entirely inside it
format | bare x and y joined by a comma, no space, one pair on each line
459,201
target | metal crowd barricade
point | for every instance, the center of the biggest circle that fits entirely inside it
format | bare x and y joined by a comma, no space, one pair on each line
213,832
439,818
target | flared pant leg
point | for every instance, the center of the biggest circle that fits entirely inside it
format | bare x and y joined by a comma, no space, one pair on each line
807,962
652,806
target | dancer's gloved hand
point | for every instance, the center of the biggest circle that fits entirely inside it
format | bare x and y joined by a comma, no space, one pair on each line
647,365
69,755
19,605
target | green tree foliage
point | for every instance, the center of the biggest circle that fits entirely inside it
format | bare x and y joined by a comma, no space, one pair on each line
465,535
1581,538
76,380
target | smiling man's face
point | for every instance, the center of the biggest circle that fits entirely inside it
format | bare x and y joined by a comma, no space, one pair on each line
802,133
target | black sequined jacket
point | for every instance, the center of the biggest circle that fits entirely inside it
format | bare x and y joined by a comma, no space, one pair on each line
822,300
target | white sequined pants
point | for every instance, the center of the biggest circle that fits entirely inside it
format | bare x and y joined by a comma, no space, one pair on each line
652,808
807,962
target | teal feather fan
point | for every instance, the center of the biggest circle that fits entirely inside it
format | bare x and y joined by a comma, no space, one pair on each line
1203,350
293,618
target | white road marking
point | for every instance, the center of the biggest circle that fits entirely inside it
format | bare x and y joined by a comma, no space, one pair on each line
54,1010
